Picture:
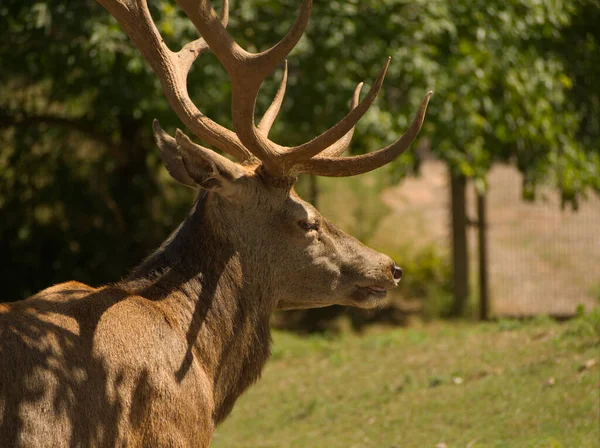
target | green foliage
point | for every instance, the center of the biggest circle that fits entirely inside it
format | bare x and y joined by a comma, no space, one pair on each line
595,291
429,279
77,177
507,96
586,325
370,208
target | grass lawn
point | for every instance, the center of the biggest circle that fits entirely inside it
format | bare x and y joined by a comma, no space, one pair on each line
503,384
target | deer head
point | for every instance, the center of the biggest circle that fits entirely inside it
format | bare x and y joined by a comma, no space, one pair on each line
305,260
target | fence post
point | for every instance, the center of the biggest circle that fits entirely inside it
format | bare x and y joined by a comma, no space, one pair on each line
483,266
460,253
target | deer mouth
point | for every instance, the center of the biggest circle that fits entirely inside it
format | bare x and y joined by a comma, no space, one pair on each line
376,289
372,291
369,296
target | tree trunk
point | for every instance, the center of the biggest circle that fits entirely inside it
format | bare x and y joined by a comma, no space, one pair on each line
483,271
460,253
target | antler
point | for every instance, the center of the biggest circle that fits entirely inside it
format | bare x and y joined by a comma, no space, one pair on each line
172,68
247,72
332,166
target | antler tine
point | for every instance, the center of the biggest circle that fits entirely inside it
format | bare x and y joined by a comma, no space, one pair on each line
333,134
338,148
351,166
269,117
172,69
246,70
190,52
278,160
237,61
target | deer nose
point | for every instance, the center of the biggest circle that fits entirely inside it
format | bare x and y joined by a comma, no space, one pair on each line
396,272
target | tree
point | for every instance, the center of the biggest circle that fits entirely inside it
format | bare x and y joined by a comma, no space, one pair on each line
79,171
510,100
75,100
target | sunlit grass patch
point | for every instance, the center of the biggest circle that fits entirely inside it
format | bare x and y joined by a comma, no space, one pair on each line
530,383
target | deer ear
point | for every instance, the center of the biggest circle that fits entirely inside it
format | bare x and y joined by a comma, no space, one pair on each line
196,166
170,156
208,169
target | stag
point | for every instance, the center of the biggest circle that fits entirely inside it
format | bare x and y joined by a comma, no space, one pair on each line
159,358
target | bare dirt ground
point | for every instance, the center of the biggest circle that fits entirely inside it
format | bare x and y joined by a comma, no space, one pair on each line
542,260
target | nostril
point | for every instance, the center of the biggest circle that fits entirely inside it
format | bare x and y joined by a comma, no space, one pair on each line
396,272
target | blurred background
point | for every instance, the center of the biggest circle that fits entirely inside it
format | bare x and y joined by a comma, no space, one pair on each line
496,204
494,213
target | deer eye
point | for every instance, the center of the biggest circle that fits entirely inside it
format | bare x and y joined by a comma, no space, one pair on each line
307,226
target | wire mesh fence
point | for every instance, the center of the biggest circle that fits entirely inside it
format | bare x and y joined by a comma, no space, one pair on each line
541,260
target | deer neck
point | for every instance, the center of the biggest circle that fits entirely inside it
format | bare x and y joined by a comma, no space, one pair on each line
210,291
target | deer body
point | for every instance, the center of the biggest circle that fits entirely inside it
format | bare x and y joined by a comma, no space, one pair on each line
159,358
155,360
79,377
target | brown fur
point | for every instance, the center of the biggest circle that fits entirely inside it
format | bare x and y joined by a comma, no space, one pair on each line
159,358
